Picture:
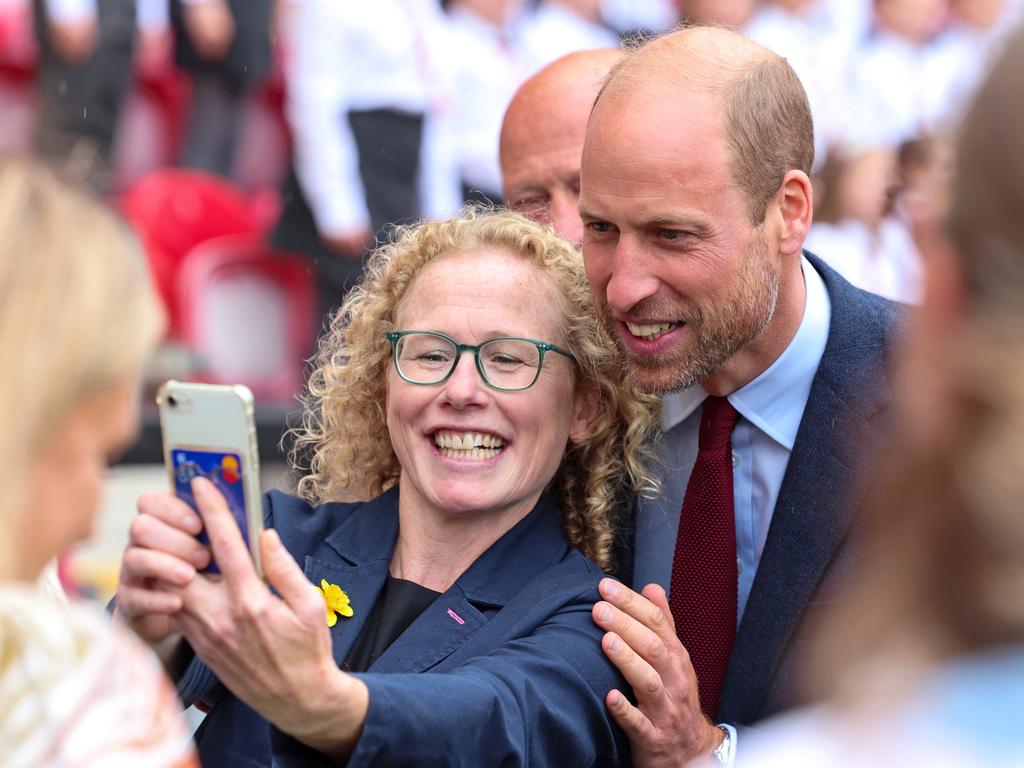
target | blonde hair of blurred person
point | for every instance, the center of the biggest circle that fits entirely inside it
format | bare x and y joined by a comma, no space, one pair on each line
542,138
345,434
78,317
926,657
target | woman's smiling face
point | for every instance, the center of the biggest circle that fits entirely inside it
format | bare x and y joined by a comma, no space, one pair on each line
464,447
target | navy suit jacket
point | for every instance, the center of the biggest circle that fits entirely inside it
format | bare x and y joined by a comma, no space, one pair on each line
505,668
841,433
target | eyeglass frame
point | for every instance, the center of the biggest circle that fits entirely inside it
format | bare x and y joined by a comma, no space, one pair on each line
542,347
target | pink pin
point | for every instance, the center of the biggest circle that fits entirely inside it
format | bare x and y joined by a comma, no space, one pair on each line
456,616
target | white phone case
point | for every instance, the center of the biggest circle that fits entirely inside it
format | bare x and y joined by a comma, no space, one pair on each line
215,418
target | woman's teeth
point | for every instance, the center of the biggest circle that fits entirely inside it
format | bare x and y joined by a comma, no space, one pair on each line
651,332
468,445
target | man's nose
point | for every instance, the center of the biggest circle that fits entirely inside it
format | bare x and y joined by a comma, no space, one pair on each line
565,216
632,278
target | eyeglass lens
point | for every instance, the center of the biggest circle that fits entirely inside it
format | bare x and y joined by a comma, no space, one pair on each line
507,363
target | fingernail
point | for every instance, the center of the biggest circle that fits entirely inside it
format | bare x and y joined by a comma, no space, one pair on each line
184,572
273,539
611,587
614,644
615,697
604,613
191,523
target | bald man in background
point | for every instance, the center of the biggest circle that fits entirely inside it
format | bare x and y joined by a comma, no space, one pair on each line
542,138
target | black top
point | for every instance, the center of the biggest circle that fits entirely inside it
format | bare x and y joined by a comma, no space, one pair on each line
399,605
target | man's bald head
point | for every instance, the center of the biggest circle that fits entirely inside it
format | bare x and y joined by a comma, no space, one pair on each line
762,105
542,138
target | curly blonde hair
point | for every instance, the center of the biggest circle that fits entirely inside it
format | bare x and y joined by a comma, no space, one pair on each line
343,447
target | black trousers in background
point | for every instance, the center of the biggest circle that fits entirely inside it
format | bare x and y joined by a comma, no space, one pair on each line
389,145
80,102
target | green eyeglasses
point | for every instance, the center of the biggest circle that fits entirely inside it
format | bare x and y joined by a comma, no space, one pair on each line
507,363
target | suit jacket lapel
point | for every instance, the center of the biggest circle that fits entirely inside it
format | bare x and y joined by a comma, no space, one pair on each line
818,497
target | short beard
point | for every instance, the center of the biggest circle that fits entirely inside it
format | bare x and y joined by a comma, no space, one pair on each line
721,331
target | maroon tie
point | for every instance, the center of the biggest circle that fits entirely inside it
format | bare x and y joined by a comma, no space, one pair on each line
703,592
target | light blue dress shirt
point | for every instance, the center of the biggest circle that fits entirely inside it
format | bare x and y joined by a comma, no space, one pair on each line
770,407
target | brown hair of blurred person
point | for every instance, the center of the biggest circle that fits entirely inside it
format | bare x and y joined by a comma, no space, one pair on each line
767,119
945,573
542,138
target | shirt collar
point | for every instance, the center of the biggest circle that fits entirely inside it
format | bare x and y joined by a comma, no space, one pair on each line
774,402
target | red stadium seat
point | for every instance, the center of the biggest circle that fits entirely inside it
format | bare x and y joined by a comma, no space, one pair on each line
175,210
248,314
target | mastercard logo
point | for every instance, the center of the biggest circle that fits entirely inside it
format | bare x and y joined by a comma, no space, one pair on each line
229,469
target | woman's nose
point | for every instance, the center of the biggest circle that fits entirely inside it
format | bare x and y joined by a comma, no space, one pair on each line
464,386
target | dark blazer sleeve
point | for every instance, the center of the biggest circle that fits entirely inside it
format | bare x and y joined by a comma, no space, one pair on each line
538,700
534,701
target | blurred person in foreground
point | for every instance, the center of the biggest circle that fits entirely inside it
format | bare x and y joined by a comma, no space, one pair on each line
925,659
468,398
542,139
696,200
77,318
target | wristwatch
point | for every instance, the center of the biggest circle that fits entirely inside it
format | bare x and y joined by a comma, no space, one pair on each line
723,752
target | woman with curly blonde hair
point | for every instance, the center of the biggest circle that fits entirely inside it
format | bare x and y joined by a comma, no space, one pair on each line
471,440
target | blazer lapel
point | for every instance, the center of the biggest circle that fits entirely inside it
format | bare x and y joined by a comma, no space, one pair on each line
356,557
454,618
819,495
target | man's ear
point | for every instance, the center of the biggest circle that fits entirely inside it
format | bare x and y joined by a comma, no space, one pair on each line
585,411
795,205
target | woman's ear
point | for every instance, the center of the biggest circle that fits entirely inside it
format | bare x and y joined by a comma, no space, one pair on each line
585,411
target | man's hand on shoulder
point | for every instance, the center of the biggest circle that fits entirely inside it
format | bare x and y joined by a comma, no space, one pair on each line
666,727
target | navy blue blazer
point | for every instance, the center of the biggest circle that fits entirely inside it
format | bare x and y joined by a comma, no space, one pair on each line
841,435
505,668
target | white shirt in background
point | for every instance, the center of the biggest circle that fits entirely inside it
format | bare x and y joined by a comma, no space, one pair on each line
886,262
485,70
649,15
356,57
553,31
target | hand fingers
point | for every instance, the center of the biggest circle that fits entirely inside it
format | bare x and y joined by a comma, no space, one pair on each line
661,650
638,607
656,595
641,676
140,564
171,510
150,531
631,720
229,550
284,575
134,602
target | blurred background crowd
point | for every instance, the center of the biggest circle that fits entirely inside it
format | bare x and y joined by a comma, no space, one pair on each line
260,147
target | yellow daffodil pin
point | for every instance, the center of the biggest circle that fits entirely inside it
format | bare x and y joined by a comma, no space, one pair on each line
336,602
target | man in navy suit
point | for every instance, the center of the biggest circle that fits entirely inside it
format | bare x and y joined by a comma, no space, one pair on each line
695,203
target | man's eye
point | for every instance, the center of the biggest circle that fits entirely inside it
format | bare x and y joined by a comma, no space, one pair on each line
674,234
599,226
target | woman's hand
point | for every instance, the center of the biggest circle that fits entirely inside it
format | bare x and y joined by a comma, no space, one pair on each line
273,652
161,557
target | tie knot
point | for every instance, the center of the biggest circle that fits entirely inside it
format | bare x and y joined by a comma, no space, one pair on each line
716,423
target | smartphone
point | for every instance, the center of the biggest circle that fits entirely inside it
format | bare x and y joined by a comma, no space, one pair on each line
209,431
